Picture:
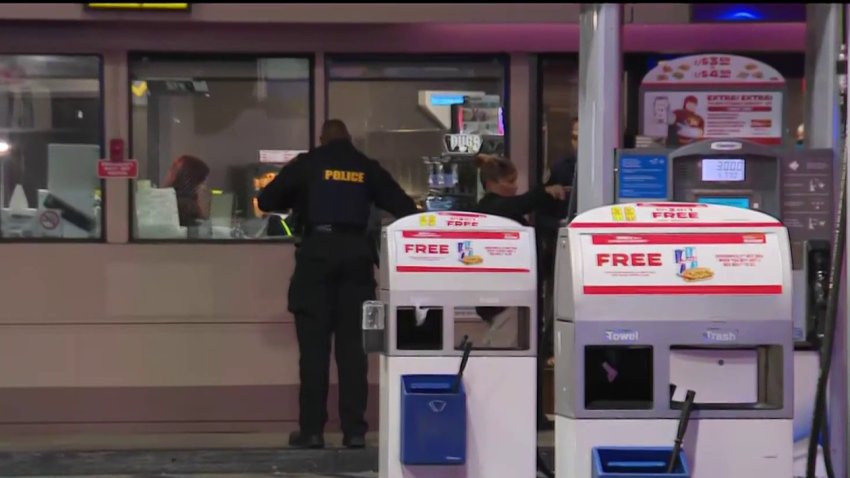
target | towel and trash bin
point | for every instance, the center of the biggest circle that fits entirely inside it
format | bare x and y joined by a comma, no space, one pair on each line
433,417
437,271
660,307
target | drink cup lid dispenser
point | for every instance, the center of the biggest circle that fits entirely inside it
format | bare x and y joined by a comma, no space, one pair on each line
655,299
450,283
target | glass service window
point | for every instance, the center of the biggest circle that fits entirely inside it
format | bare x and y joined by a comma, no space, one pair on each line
209,134
398,112
50,144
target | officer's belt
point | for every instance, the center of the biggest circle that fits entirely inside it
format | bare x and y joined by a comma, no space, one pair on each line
336,228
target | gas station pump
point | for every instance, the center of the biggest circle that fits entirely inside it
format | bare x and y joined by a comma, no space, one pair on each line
716,125
796,186
659,301
455,327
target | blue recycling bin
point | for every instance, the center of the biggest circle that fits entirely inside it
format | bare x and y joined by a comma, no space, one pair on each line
433,420
637,462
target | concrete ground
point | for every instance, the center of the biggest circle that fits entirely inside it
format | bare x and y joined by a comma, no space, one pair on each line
338,475
209,455
174,441
245,475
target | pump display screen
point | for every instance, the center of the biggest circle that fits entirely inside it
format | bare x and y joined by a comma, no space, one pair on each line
723,169
742,202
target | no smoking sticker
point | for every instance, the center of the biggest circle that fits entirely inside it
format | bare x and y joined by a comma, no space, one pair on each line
49,220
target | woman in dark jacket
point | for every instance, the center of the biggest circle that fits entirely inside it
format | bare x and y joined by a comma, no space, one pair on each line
499,178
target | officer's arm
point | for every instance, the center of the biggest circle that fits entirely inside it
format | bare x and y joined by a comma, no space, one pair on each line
388,195
281,193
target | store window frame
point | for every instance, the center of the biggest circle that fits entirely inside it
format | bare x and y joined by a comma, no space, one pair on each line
540,160
504,59
207,56
101,144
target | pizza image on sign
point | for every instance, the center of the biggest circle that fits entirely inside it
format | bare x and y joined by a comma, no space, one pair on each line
473,260
466,254
698,274
688,266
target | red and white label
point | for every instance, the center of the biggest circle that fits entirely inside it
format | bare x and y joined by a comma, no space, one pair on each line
672,215
460,219
127,169
681,263
463,251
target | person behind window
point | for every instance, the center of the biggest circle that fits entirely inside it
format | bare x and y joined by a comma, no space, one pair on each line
499,178
188,176
563,171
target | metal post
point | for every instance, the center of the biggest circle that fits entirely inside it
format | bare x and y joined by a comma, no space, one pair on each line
600,122
842,459
823,130
823,44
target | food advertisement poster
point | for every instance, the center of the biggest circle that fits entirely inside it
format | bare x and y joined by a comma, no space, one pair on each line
712,97
463,251
686,116
681,263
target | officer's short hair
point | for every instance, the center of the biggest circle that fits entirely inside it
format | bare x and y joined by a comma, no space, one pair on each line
333,129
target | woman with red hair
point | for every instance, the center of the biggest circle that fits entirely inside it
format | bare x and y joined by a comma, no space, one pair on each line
188,176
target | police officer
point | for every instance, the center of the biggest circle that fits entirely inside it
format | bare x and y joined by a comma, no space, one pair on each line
333,188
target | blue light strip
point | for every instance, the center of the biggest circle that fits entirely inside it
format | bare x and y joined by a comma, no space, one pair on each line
741,202
741,15
446,100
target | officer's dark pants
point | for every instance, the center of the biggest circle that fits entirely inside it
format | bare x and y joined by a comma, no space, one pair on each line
333,276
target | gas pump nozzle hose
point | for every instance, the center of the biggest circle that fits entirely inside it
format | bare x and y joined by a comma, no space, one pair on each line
467,349
687,406
819,418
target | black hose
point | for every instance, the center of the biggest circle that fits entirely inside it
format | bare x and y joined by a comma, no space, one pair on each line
467,349
684,418
825,440
819,418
